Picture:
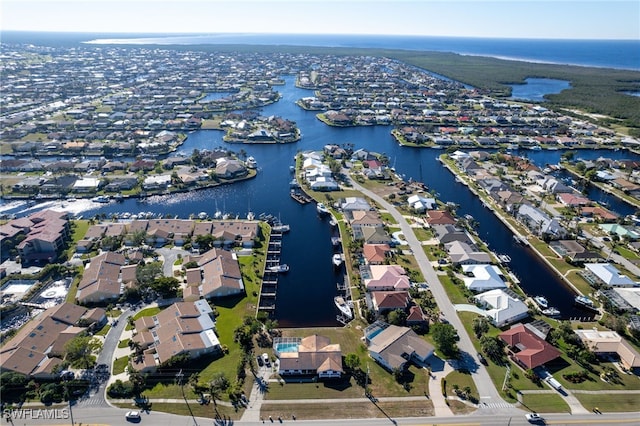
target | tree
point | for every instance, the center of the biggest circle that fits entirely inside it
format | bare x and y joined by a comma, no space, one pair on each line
445,337
138,237
166,286
352,361
79,351
146,274
493,348
397,317
480,326
205,241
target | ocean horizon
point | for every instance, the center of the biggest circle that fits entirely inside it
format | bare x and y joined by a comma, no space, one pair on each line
617,54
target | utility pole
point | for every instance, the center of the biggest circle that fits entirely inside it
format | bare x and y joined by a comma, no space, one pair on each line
66,385
179,377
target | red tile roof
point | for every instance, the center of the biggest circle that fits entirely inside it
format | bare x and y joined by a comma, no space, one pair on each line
532,350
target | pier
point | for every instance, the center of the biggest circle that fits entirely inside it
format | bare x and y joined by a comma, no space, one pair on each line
269,288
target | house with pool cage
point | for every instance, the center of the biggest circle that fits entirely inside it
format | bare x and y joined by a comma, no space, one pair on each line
309,356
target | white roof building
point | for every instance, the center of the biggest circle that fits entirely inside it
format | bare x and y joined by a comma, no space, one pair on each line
502,308
420,204
609,275
86,183
482,277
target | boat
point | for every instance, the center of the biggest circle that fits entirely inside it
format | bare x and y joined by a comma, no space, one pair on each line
343,306
333,222
541,301
335,241
251,163
504,258
202,215
279,227
322,209
551,312
100,199
585,302
300,197
279,269
337,260
251,216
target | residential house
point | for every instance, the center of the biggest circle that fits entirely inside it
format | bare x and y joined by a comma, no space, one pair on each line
503,307
607,343
47,232
421,204
480,278
313,355
462,253
440,217
394,347
386,301
539,222
526,348
375,254
609,275
387,278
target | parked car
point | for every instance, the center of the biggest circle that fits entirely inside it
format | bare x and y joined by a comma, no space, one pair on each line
260,361
265,358
482,359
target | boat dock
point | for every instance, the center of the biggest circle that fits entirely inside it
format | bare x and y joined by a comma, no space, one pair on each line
269,288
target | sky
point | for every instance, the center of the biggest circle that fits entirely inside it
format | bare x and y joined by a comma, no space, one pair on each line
559,19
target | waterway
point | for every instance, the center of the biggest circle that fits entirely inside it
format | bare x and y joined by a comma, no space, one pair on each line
534,89
305,294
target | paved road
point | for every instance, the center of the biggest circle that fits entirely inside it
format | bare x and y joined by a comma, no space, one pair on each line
115,416
96,397
488,392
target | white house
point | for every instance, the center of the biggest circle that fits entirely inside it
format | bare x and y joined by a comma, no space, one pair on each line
482,277
502,308
609,275
421,204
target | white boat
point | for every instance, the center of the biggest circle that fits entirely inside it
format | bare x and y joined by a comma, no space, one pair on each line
333,222
279,268
551,312
100,199
343,306
504,258
584,301
202,215
335,241
322,209
251,216
337,260
541,301
251,163
281,228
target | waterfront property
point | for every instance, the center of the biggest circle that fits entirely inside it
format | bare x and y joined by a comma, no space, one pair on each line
309,356
609,275
483,277
216,274
503,307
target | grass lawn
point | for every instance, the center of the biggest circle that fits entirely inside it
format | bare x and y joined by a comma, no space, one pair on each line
545,403
422,234
609,402
182,409
119,364
463,380
124,343
563,365
104,330
353,410
456,293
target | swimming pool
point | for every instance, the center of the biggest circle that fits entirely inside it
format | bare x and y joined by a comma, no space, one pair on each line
287,347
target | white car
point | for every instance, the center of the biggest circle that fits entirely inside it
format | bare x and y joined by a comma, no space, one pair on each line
533,417
132,415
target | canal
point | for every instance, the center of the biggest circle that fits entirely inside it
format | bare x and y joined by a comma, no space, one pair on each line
305,294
